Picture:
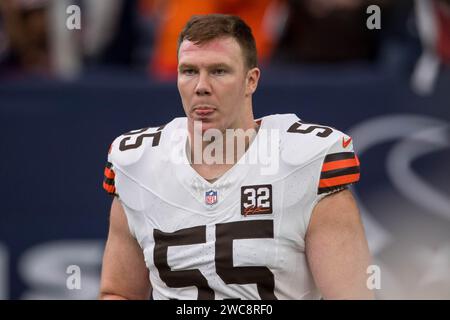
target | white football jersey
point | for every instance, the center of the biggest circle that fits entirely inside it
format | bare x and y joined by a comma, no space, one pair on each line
243,236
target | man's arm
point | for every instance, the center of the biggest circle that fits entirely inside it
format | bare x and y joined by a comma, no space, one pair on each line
124,273
337,250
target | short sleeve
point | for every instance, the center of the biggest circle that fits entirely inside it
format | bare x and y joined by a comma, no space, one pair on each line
340,167
108,180
109,175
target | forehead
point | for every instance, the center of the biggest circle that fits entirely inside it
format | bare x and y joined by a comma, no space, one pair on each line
221,50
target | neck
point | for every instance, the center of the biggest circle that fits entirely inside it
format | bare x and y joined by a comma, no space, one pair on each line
224,148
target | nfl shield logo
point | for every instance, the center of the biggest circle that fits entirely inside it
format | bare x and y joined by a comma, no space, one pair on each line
211,197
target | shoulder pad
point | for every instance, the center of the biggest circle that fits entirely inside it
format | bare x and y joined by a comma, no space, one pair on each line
302,143
129,147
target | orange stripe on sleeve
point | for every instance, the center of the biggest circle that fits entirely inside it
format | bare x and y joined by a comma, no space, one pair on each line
332,182
109,188
109,173
340,164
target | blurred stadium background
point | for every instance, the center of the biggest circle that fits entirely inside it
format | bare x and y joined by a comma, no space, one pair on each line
66,94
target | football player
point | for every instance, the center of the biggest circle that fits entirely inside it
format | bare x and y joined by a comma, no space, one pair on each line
185,229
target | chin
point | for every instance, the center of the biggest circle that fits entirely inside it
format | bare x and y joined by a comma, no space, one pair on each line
206,125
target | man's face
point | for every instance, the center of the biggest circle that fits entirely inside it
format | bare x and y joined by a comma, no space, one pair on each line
212,81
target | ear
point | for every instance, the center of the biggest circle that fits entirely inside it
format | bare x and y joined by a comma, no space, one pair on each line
252,81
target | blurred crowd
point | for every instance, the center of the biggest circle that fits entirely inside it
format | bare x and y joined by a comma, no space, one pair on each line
142,34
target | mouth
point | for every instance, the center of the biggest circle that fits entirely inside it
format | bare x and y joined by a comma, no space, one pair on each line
203,111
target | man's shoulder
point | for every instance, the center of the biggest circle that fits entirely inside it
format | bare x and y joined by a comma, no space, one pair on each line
302,142
130,147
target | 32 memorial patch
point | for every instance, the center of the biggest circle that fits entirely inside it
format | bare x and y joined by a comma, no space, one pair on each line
256,199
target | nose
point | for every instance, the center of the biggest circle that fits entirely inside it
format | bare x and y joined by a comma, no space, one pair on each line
203,87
